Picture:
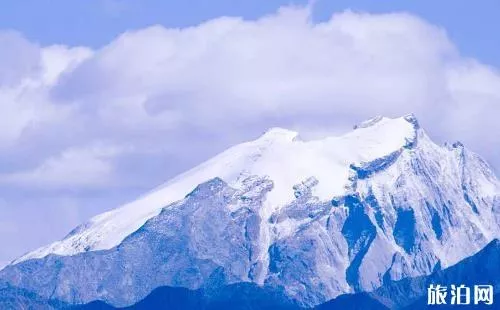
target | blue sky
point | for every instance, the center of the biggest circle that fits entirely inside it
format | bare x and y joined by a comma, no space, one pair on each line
98,107
470,24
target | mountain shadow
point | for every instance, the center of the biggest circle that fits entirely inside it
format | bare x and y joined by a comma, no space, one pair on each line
246,296
411,293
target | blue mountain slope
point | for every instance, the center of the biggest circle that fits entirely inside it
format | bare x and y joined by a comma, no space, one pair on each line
411,293
16,298
159,252
312,219
237,296
481,268
360,301
407,294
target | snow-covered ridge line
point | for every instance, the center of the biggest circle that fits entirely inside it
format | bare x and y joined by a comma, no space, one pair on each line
316,218
278,154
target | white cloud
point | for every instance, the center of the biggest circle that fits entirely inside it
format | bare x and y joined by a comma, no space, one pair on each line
58,59
90,167
19,58
27,75
229,71
228,79
167,91
175,97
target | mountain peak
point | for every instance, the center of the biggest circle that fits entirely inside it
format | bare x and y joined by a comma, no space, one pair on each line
374,146
380,200
412,119
369,122
409,118
278,133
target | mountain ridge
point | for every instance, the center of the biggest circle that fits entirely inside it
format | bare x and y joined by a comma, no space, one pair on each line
277,140
315,219
408,294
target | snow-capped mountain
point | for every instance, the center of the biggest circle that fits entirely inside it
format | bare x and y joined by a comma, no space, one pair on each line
314,218
279,154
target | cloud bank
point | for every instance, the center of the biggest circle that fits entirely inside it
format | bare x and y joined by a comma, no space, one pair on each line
91,128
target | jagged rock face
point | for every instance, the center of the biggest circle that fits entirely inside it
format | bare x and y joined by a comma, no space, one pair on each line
185,245
411,293
418,210
414,208
436,205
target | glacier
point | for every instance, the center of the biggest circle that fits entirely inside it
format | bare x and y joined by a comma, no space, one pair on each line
315,219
